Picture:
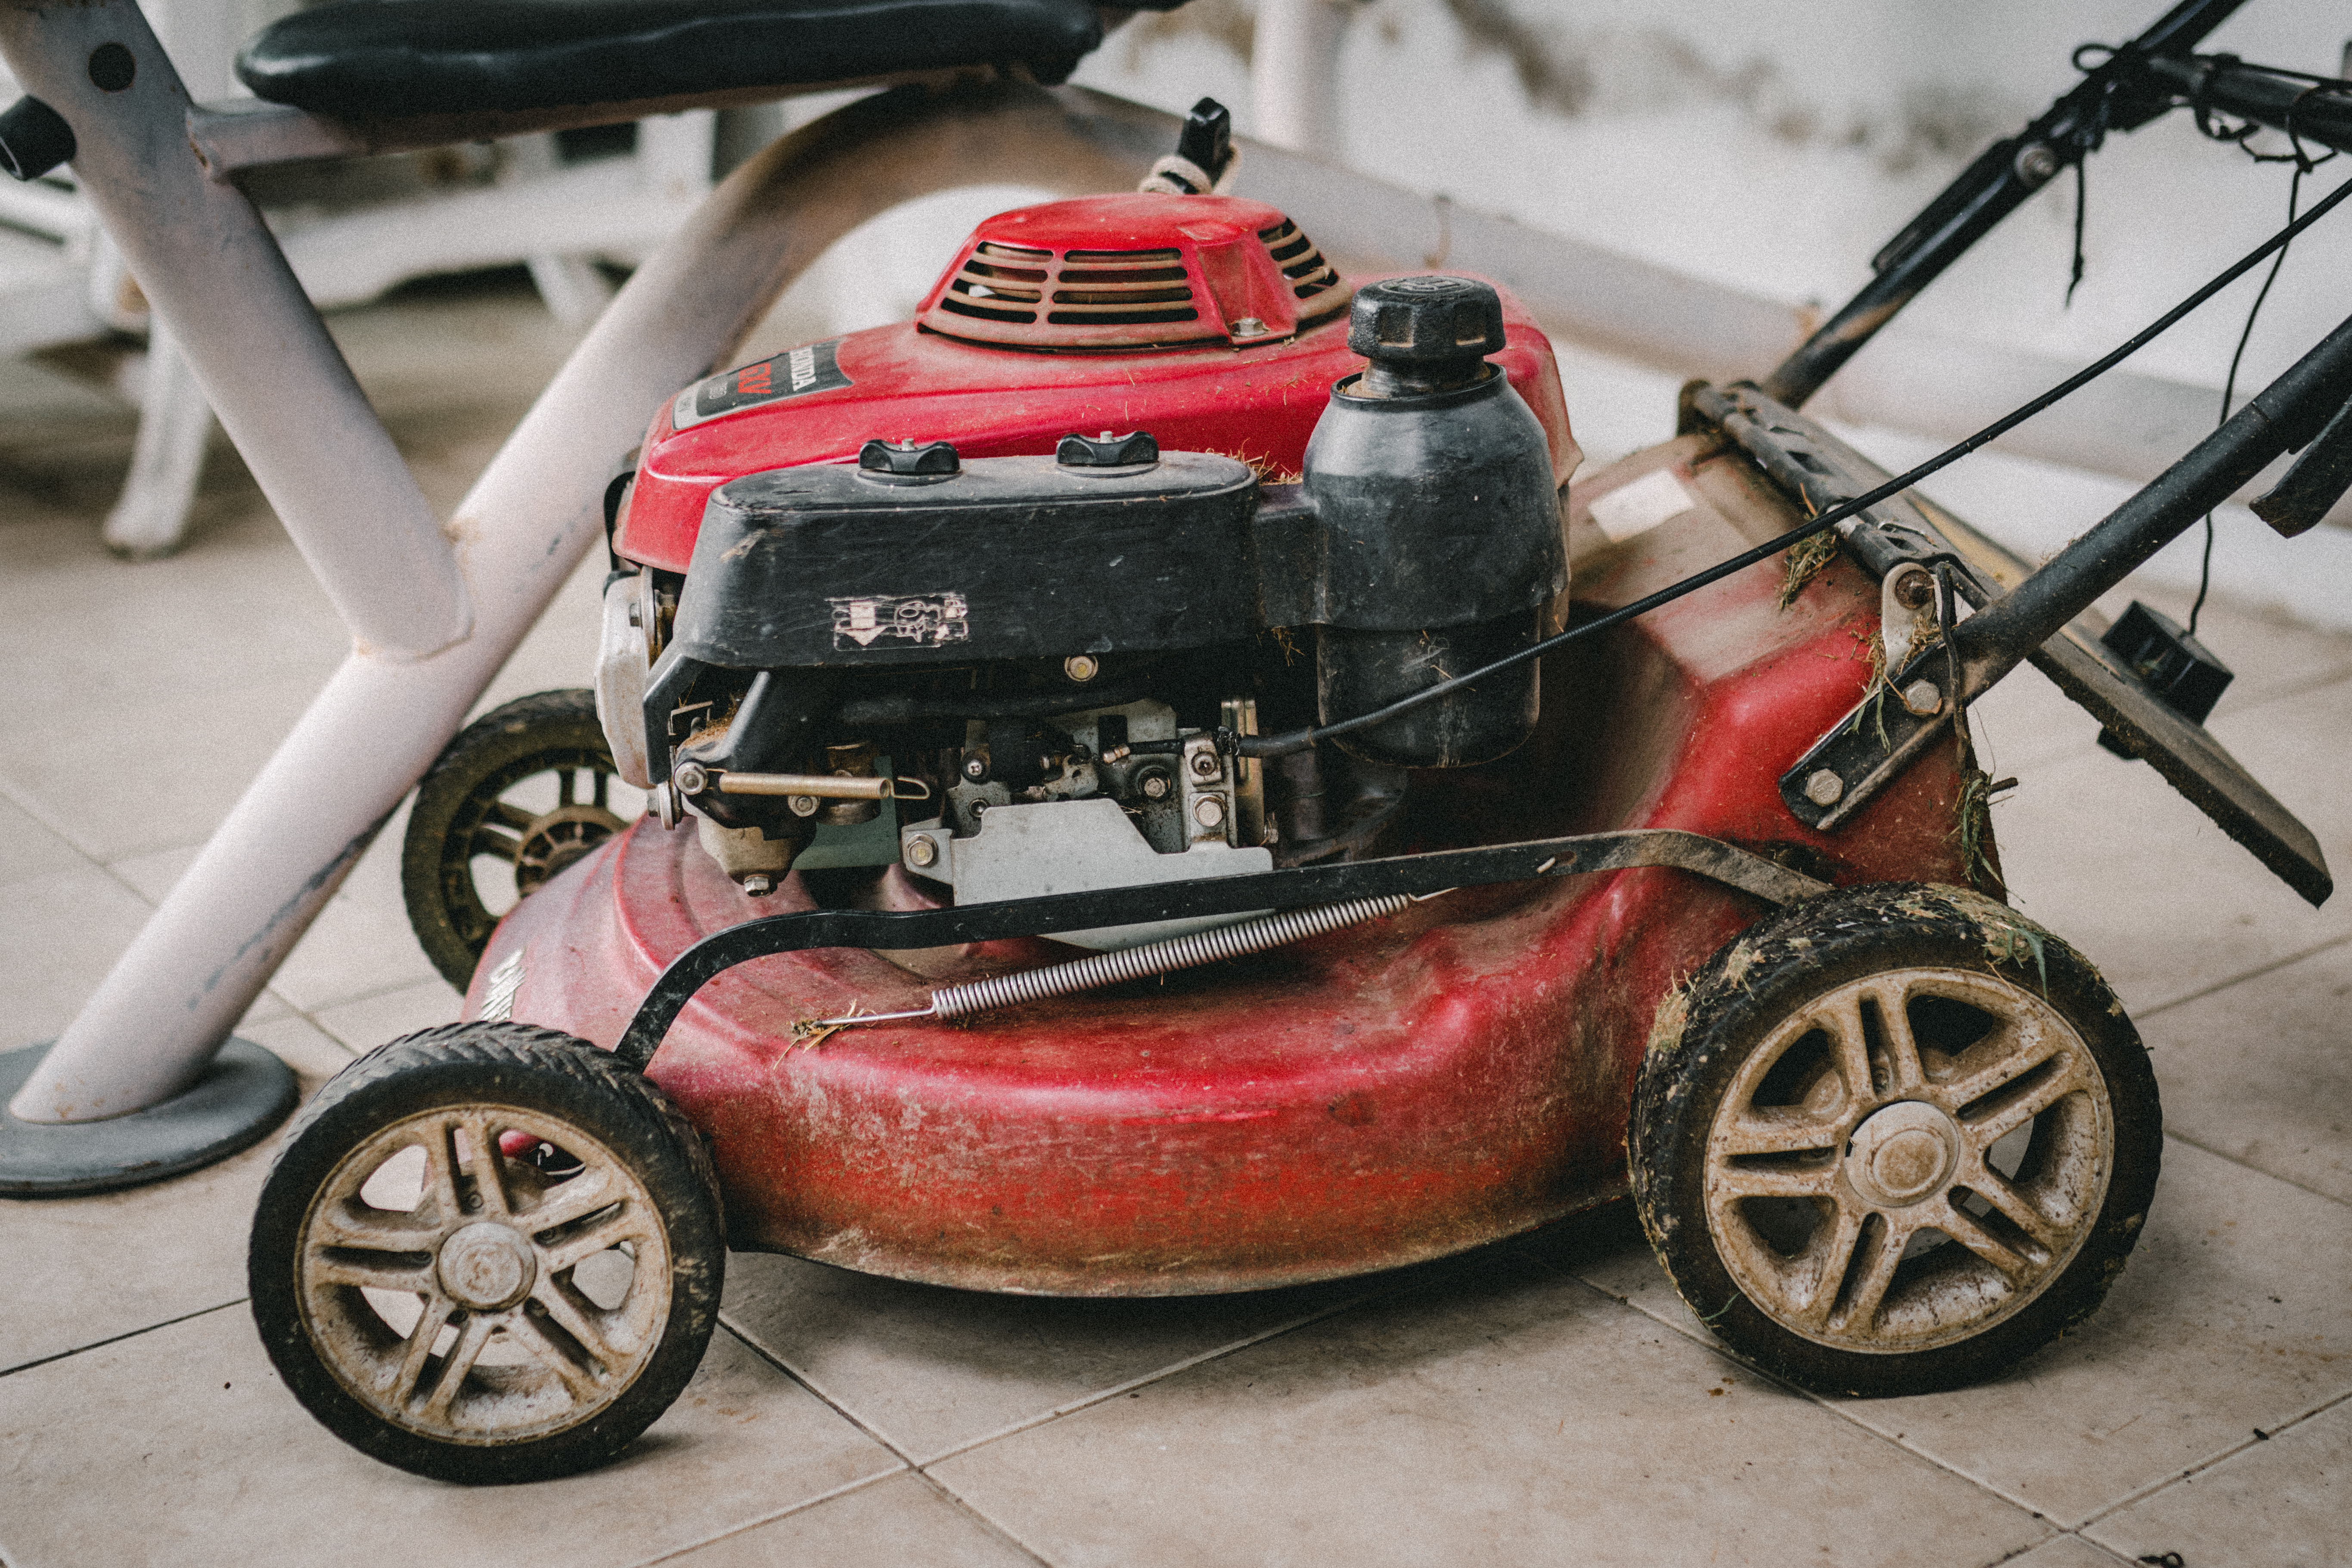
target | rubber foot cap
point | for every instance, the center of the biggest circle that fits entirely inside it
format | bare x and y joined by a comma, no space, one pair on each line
244,1093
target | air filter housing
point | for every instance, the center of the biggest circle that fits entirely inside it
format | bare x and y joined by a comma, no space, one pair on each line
1131,272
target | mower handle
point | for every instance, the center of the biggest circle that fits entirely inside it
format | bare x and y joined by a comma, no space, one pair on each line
2118,94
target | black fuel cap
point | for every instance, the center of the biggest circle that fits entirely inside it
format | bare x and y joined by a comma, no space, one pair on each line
1107,452
910,459
1425,320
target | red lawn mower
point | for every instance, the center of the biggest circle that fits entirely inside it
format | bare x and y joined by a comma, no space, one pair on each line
1156,787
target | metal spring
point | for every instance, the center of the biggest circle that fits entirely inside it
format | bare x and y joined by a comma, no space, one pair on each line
1159,957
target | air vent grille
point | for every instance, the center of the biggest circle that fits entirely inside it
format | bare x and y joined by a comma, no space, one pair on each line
1300,262
1121,289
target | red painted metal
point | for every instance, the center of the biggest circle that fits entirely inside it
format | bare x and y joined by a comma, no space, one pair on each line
1256,399
1380,1095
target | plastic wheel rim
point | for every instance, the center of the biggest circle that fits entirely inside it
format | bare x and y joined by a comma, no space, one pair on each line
550,1357
1853,1139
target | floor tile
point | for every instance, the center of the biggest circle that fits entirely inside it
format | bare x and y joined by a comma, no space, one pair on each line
361,944
27,849
59,933
1507,1415
890,1524
2229,1316
229,1469
2258,1071
931,1369
81,1270
364,1025
2102,852
2281,1502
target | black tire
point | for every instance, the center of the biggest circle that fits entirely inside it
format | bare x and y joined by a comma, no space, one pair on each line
460,817
1800,1216
514,1364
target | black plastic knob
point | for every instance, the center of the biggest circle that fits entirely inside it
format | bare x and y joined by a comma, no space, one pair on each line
910,459
34,138
1107,452
1425,320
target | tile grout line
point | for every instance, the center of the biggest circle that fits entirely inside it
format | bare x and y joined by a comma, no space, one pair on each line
1135,1384
118,1338
2199,1469
1821,1402
733,1530
907,1462
2257,972
2254,1170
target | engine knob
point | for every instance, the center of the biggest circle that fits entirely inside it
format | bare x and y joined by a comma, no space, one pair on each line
909,459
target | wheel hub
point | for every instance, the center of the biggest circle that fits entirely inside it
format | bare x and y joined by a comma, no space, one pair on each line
486,1266
1903,1154
556,839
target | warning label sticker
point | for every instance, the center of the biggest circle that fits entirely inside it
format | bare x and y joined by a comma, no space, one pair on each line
813,367
919,620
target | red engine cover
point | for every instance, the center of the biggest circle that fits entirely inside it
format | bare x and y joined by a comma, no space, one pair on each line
1197,386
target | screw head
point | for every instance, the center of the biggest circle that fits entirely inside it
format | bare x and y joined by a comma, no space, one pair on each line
1913,586
1205,765
1923,697
1082,666
691,778
975,767
1825,787
802,805
922,851
1209,812
1155,786
2036,162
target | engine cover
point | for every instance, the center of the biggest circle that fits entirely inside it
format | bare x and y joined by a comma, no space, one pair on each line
997,385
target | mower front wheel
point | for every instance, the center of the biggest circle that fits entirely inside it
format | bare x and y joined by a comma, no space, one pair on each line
487,1253
1894,1141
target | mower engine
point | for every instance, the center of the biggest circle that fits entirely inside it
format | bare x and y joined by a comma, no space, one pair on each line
1053,633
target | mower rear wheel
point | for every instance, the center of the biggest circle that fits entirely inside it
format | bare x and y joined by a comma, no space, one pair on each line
524,792
487,1253
1894,1141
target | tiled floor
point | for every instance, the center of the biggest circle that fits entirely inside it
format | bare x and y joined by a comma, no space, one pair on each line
1546,1401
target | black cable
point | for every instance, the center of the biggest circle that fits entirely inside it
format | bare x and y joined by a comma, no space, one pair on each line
2304,164
1294,741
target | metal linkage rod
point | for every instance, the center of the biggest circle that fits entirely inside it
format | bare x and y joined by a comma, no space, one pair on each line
1188,952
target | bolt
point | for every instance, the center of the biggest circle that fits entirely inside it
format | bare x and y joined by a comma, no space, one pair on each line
1825,788
1205,764
759,884
2036,164
1082,666
1913,587
802,805
921,851
975,767
979,806
1209,812
1250,327
1922,698
691,778
1155,786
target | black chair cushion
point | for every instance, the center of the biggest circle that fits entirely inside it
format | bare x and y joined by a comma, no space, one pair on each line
379,59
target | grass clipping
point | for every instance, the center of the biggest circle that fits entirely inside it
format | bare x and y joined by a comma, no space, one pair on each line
1807,559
